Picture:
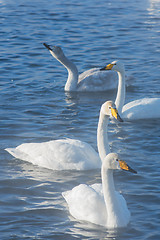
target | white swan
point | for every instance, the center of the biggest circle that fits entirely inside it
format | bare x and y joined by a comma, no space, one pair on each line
144,108
100,203
69,153
90,80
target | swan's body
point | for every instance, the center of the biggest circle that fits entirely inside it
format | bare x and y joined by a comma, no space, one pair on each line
58,154
69,153
144,108
100,203
90,80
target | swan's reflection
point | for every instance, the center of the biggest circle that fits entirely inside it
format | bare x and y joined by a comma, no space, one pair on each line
88,230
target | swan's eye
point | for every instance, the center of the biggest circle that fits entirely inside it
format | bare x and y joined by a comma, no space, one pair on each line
117,159
109,107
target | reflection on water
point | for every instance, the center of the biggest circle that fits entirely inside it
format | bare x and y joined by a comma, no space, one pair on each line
93,231
154,6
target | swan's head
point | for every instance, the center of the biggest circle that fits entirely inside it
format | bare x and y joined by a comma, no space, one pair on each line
56,51
117,66
109,109
112,162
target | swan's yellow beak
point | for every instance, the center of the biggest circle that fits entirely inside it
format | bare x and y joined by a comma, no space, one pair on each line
115,114
123,165
108,67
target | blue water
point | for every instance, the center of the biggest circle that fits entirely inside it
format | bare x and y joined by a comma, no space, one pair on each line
35,108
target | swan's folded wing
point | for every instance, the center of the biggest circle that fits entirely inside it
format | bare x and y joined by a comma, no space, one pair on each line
145,108
86,204
58,154
96,80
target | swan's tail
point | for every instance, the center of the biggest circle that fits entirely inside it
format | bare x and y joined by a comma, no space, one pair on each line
11,151
17,153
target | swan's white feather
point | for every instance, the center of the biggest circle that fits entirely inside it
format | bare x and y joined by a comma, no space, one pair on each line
145,108
86,202
58,154
96,80
83,200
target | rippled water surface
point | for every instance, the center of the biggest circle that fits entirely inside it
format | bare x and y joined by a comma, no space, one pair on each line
35,108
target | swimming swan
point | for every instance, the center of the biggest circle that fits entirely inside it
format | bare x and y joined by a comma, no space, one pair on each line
144,108
100,203
91,80
68,153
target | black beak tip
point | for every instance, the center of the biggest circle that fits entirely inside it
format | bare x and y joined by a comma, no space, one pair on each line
47,46
103,69
119,119
133,171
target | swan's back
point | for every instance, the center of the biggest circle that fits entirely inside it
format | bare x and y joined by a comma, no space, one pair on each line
145,108
58,154
85,203
96,80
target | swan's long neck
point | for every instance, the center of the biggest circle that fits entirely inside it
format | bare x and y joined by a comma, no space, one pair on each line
120,99
102,136
110,197
71,84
